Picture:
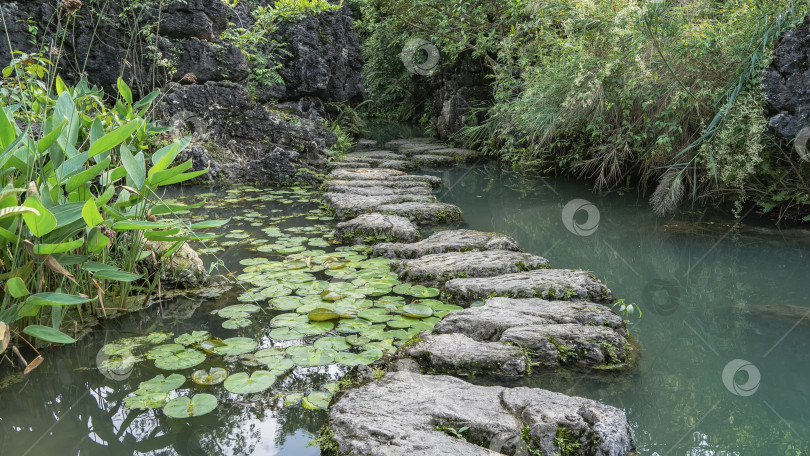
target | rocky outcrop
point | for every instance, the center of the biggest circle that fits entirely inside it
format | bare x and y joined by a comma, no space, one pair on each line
404,413
438,268
448,241
462,89
458,354
371,228
184,269
786,81
241,140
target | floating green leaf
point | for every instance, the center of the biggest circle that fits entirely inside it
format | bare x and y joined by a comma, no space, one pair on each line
317,400
311,356
161,384
352,359
185,407
238,311
323,314
417,311
181,360
336,343
242,383
194,338
143,400
236,346
212,376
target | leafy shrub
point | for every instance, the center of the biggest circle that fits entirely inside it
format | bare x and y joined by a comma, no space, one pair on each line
78,201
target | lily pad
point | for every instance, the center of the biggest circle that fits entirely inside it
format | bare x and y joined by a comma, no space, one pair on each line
292,399
164,350
194,338
417,311
237,323
143,400
280,366
238,311
212,376
242,383
375,315
183,359
323,314
311,356
286,303
420,291
316,400
161,384
331,387
352,359
336,343
355,339
269,354
236,346
186,407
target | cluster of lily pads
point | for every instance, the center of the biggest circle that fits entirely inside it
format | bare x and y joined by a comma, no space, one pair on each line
317,304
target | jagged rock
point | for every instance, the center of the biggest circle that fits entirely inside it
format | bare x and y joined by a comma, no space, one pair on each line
438,268
424,213
786,81
398,415
458,354
370,228
433,160
185,268
367,144
581,335
394,145
562,284
350,205
206,62
448,241
379,190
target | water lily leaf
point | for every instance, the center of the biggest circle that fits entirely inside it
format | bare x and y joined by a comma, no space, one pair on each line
289,320
242,383
270,354
164,350
143,400
292,399
280,366
312,288
331,387
356,339
352,359
236,346
194,338
374,332
322,314
420,291
336,343
238,311
311,356
316,400
212,376
352,326
180,360
237,323
385,345
161,384
186,407
417,311
286,303
285,333
253,261
120,363
375,315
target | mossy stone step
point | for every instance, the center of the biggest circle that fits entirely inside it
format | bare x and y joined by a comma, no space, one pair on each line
448,241
371,228
437,269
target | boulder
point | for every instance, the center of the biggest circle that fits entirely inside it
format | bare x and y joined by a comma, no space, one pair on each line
437,269
448,241
371,228
786,81
551,284
184,269
457,354
407,413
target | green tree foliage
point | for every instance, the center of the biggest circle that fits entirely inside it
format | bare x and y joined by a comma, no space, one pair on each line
662,94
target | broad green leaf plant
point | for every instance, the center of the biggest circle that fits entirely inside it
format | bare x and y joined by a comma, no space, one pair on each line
78,200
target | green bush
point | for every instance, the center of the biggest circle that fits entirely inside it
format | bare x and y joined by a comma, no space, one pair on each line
78,201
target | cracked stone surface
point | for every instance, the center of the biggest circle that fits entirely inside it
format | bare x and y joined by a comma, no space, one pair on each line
366,144
344,184
347,164
398,414
437,269
561,284
375,154
424,213
380,190
350,205
366,174
433,160
448,241
458,354
401,165
370,227
394,145
416,149
458,154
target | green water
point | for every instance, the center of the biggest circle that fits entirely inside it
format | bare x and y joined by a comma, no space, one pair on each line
708,296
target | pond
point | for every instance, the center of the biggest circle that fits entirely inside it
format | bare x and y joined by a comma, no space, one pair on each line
709,296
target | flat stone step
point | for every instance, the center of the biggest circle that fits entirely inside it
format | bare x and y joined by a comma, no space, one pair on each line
458,154
375,154
379,190
394,145
438,268
366,174
424,213
399,414
402,165
350,205
434,181
433,160
448,241
399,184
417,148
458,354
364,144
557,334
551,284
371,228
346,164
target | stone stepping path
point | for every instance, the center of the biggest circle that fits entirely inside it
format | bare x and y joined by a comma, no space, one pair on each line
371,228
551,284
448,241
528,319
398,415
436,269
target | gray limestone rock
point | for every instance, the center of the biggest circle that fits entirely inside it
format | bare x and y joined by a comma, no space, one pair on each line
369,228
448,241
457,354
438,268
